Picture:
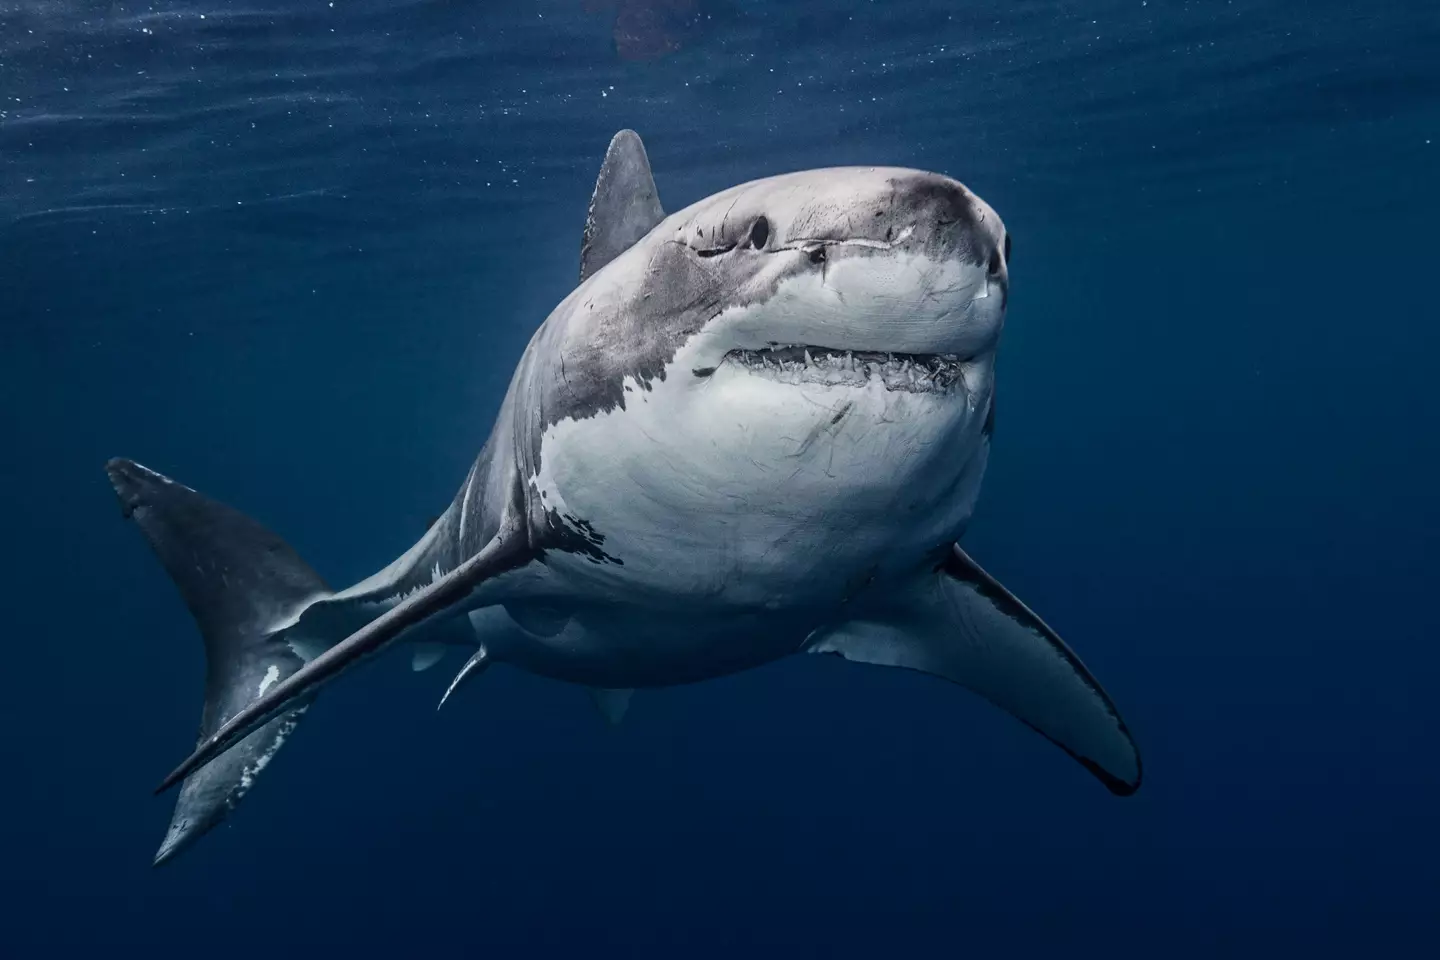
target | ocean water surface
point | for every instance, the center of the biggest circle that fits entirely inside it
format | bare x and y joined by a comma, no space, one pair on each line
289,251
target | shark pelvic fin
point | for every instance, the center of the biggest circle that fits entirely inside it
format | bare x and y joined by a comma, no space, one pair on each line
475,666
612,704
426,655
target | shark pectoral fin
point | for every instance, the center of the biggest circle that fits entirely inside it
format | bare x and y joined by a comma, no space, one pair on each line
624,207
508,549
426,655
962,625
612,704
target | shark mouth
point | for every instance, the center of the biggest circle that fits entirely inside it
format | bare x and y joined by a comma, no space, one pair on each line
908,372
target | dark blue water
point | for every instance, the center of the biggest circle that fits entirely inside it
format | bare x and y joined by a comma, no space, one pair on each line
288,252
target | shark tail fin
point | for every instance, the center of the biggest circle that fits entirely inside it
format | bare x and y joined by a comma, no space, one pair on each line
244,586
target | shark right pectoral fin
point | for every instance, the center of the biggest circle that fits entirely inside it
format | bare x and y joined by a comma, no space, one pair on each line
508,549
959,623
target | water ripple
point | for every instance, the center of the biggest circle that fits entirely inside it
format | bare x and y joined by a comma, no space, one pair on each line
424,110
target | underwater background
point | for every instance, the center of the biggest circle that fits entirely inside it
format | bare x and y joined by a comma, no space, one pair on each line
288,252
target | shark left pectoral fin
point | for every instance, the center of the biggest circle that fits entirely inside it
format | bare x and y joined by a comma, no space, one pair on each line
959,623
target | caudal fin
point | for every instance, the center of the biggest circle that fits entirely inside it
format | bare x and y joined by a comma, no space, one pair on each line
243,585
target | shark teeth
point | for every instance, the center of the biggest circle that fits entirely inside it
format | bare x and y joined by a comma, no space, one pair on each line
911,372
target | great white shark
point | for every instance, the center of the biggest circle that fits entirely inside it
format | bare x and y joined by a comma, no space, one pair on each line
756,428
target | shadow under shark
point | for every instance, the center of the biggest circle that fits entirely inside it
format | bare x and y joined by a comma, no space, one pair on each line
756,428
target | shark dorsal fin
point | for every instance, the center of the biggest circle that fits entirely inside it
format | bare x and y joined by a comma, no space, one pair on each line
624,207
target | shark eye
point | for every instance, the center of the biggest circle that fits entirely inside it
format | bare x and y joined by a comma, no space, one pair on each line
1007,249
995,263
759,233
817,255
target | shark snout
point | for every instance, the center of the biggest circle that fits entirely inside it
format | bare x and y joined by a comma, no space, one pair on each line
951,222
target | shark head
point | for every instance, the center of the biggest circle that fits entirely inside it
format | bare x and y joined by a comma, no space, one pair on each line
890,264
833,277
804,363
